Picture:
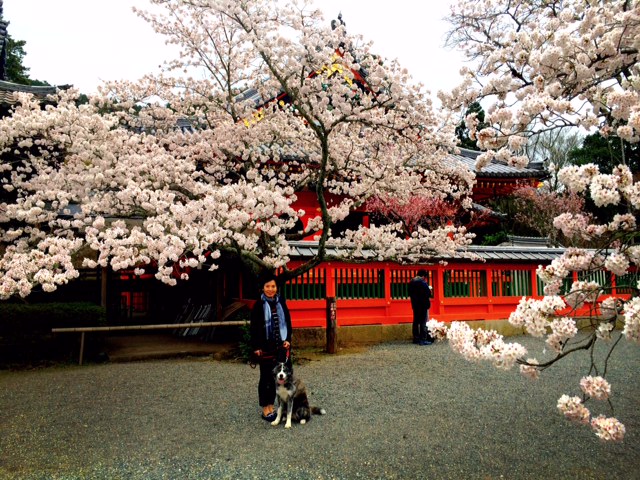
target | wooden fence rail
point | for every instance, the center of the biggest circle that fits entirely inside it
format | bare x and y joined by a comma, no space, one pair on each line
116,328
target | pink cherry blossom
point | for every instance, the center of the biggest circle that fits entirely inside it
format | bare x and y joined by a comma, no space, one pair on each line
573,409
438,330
595,387
631,311
530,369
608,428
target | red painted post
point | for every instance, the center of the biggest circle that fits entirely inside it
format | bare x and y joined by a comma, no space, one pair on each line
438,291
534,283
387,283
489,292
330,280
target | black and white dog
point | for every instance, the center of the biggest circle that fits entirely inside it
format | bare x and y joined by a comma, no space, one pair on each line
291,394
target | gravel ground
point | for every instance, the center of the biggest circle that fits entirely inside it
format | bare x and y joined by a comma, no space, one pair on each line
394,411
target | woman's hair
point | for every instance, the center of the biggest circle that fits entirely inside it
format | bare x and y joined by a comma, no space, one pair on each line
266,278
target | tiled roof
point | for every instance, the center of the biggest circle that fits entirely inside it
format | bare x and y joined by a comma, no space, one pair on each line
304,249
517,253
8,91
496,168
250,94
520,241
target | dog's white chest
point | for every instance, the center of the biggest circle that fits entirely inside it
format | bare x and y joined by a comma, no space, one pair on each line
283,392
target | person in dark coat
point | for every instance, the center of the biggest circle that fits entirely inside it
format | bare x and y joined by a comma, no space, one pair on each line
270,330
420,294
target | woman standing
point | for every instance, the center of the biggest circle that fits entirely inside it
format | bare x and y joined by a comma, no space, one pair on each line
270,340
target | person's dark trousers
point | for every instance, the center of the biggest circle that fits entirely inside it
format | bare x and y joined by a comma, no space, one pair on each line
266,384
419,326
419,329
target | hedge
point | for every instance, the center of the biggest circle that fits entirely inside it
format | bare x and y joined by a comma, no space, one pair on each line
25,330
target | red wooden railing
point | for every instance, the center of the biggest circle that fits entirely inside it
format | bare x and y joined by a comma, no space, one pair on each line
376,293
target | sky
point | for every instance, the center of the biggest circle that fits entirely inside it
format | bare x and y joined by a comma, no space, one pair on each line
85,42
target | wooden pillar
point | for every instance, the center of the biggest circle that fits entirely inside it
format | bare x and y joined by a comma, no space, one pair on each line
330,280
332,321
219,294
81,348
103,286
387,283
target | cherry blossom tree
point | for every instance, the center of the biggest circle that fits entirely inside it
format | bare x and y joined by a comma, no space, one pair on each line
555,149
542,66
537,208
423,212
414,212
273,101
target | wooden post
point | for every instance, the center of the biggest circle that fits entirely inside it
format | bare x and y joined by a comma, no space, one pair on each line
219,289
332,333
81,348
104,281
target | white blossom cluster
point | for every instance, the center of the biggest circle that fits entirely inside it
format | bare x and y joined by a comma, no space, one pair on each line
562,329
478,345
534,315
632,320
448,241
606,428
573,409
595,387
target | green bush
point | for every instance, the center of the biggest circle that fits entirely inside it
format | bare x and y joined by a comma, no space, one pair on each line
244,345
43,317
26,337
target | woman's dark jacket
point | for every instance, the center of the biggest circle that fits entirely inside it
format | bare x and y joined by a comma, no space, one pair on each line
258,331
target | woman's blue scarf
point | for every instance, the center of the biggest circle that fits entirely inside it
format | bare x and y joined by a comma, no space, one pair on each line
267,316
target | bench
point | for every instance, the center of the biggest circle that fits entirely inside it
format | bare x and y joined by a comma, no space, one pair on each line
83,330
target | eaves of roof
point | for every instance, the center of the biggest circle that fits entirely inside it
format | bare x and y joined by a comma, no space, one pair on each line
495,168
9,89
307,249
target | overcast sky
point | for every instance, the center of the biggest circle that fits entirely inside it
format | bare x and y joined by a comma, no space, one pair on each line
84,42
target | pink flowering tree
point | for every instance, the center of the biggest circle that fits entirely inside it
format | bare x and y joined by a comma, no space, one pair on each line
414,212
540,66
275,102
537,209
423,212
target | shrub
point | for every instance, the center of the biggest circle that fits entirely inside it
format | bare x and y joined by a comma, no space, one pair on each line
26,337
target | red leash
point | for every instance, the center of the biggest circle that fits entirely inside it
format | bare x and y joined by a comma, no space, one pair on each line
272,356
